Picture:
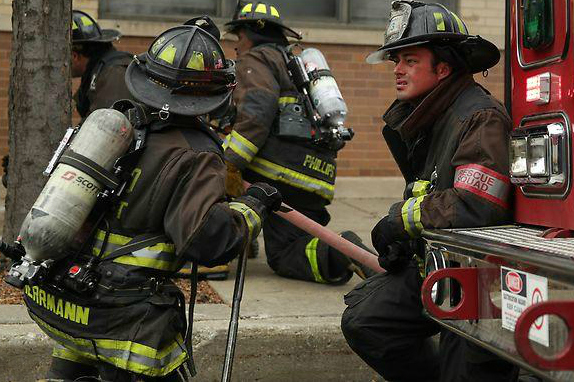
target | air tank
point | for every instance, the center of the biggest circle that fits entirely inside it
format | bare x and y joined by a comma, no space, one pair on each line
70,194
324,90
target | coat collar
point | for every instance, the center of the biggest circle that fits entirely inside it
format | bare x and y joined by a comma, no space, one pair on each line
409,120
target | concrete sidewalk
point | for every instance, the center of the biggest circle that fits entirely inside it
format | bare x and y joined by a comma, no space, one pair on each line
289,330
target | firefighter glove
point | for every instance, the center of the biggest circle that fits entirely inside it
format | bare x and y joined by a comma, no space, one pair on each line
268,196
262,198
394,255
397,256
233,181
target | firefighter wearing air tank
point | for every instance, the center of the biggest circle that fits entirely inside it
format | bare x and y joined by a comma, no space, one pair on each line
273,140
131,324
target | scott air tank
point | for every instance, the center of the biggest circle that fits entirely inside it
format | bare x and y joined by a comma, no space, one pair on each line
70,194
324,92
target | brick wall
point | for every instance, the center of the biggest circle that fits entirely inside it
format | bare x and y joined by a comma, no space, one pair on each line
367,89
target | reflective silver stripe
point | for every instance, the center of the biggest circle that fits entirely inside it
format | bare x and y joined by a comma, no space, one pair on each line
242,146
252,220
292,178
158,256
127,355
411,215
483,182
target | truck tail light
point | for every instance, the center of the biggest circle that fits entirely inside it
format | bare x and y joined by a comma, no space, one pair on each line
518,157
539,156
537,150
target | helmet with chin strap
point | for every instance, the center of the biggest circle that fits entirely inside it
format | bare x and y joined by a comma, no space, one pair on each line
414,23
184,72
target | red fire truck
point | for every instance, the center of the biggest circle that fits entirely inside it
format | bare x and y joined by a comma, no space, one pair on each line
510,289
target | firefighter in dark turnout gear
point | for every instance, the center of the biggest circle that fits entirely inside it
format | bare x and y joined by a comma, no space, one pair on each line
101,67
449,137
174,210
303,171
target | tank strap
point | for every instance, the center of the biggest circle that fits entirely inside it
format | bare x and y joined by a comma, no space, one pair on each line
91,168
137,243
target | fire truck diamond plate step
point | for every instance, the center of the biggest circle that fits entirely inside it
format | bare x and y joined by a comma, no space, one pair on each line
528,238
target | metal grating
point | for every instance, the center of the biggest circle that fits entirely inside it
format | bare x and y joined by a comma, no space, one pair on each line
524,237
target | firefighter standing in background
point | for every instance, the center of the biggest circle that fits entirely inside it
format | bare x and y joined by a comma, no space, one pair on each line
101,67
264,97
132,326
449,138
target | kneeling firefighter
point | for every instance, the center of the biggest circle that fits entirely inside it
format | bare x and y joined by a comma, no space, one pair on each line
288,129
128,323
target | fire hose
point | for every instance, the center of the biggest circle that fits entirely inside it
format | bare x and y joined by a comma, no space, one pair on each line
317,230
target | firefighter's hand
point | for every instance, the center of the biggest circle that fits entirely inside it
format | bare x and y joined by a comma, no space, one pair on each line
394,255
233,181
267,195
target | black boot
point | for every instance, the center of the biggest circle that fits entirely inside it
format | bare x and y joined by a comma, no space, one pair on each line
360,269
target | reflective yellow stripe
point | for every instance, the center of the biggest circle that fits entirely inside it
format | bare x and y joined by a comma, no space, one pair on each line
242,146
168,54
282,174
247,8
287,100
439,21
226,141
61,352
420,188
86,21
252,220
461,26
261,8
311,252
127,355
411,215
159,256
274,11
196,61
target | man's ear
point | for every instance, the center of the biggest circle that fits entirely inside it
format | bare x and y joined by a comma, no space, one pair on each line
443,70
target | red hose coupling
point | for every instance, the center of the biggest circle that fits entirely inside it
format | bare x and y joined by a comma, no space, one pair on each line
564,360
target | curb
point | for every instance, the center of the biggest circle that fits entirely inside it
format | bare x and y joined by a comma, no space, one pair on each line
271,349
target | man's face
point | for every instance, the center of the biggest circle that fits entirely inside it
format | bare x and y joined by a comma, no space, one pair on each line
79,63
243,43
415,75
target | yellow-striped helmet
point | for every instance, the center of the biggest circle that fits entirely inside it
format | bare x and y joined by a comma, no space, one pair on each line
258,14
86,29
184,71
416,23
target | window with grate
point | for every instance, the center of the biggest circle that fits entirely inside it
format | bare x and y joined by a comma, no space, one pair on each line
368,13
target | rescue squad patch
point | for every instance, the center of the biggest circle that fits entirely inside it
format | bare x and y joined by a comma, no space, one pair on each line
483,182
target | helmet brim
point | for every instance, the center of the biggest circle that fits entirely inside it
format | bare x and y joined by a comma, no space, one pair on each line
108,35
148,91
288,32
479,53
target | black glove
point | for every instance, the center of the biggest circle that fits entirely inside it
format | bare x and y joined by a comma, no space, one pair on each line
269,196
397,256
261,197
394,255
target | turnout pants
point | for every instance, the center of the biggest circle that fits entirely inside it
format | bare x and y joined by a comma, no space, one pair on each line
384,324
78,369
293,253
